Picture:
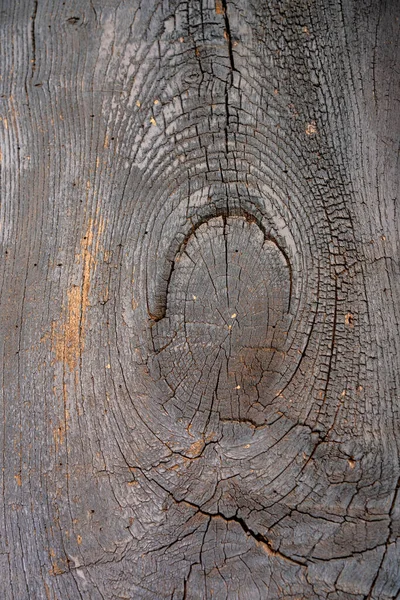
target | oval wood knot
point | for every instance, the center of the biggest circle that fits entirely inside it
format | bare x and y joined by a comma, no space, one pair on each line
220,346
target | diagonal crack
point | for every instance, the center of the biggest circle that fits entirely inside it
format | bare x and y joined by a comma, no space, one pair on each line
261,539
250,532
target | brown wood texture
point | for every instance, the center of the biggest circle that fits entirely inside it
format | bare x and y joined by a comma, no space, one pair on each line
199,299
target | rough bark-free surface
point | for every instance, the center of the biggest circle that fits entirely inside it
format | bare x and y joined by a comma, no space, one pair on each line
199,296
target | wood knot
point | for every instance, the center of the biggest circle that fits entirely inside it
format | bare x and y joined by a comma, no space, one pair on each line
220,345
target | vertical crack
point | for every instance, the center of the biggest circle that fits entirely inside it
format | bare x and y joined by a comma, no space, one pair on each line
226,260
228,37
33,36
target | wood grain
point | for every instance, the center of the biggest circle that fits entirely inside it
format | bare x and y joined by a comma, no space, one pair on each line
164,166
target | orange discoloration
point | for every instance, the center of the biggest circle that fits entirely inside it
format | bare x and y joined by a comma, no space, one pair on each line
59,435
59,566
18,479
68,334
47,590
56,570
219,7
196,448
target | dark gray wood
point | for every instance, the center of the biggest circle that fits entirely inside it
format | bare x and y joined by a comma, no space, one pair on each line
199,299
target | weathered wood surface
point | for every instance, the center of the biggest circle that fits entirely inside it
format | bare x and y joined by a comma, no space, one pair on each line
199,302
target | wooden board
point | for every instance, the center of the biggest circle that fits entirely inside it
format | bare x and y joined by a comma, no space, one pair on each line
199,299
